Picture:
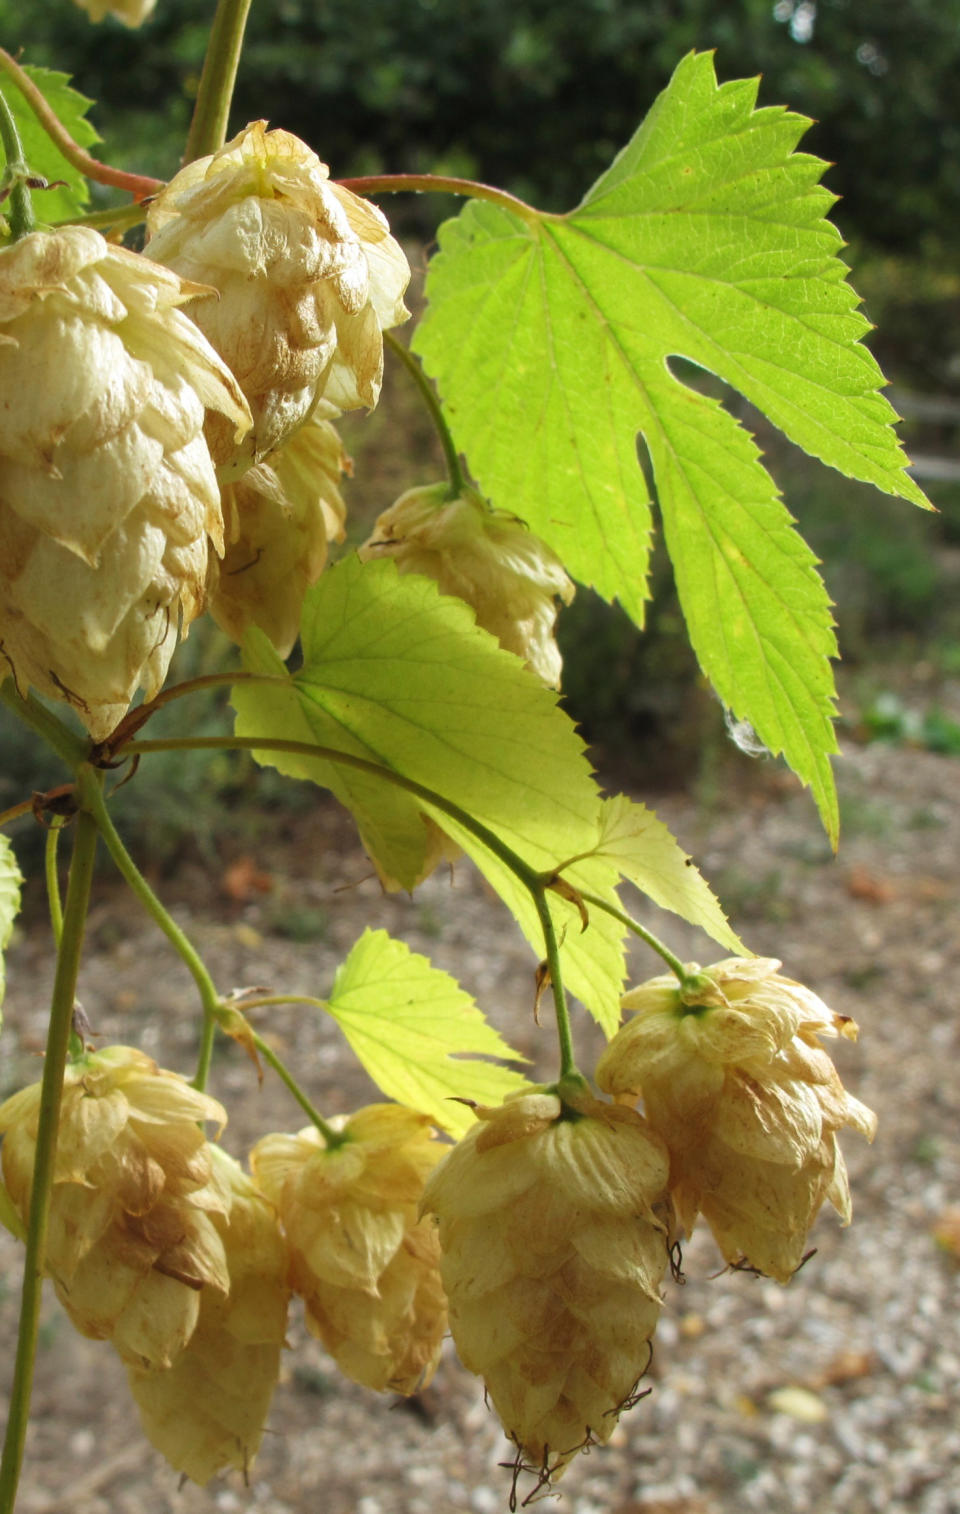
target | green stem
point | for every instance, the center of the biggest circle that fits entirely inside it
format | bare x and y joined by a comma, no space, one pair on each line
568,1063
181,943
16,174
654,942
53,882
208,129
117,218
333,1138
429,396
419,183
58,1038
136,184
72,748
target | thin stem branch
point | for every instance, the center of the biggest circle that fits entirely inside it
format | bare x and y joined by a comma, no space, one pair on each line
117,218
420,183
673,962
208,129
139,185
568,1062
429,396
15,811
58,1039
53,881
16,174
332,1137
209,998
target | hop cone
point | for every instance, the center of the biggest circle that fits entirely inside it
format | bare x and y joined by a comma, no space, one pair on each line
553,1252
308,277
366,1267
734,1079
207,1411
132,1242
507,575
107,491
279,518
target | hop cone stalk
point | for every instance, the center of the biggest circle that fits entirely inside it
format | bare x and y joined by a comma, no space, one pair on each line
734,1079
207,1411
132,1242
366,1267
279,518
307,273
551,1222
507,575
108,496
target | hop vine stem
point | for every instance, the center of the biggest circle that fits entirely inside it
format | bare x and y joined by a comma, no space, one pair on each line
58,1040
208,128
139,185
16,173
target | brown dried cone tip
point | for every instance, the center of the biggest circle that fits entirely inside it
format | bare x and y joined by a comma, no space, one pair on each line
553,1229
366,1268
507,575
307,273
208,1411
278,519
133,1240
107,491
734,1079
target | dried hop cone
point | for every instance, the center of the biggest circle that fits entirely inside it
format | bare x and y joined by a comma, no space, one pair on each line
734,1079
132,1244
553,1231
107,492
366,1267
507,575
307,273
279,519
208,1410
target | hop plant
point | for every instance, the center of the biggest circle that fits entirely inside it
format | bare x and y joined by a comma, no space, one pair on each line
554,1235
279,518
132,1242
307,273
734,1080
365,1265
108,497
207,1411
507,575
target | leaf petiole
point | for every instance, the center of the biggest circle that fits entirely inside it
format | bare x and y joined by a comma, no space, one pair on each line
654,942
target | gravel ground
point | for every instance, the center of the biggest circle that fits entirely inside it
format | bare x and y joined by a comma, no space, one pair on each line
867,1331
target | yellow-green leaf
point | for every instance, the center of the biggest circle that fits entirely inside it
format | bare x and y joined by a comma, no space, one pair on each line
418,1034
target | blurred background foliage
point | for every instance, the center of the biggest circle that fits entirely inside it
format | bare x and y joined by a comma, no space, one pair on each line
538,95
